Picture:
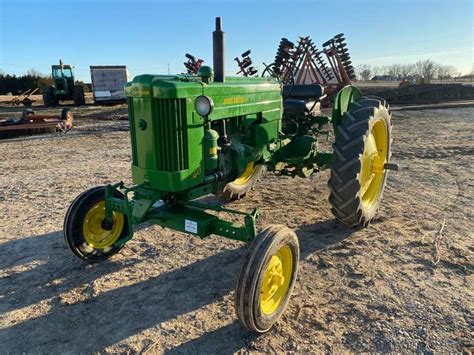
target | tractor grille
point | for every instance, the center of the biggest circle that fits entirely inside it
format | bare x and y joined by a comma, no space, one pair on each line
172,135
133,129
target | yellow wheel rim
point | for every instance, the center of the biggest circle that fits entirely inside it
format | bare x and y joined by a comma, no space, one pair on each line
94,234
246,175
372,164
276,280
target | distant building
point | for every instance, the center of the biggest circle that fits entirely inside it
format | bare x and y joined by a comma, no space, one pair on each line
385,78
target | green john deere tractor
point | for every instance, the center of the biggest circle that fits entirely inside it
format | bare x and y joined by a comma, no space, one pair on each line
64,87
194,135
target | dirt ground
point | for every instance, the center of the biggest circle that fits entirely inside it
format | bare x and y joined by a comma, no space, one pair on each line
403,284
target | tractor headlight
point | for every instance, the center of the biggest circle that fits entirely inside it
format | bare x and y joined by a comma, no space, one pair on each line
203,105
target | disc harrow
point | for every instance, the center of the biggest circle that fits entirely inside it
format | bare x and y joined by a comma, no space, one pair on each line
192,64
303,63
245,64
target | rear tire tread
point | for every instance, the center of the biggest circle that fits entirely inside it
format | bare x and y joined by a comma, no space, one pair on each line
350,141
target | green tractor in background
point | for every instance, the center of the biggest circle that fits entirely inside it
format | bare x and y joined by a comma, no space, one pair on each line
195,135
64,87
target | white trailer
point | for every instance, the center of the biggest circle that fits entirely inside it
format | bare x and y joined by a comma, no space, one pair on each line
108,82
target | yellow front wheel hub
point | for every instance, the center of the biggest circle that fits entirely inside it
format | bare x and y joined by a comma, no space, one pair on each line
94,234
276,280
372,164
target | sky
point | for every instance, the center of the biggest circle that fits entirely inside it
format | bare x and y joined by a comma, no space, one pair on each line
153,36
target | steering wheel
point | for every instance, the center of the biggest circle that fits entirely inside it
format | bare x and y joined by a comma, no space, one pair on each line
268,72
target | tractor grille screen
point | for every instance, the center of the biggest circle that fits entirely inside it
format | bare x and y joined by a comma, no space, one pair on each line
133,129
171,132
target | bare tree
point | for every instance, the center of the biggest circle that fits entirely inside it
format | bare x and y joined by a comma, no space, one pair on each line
364,71
406,70
34,73
446,72
376,70
426,69
400,71
394,70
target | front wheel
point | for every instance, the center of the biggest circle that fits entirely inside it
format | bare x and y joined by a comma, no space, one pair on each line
267,278
84,232
358,169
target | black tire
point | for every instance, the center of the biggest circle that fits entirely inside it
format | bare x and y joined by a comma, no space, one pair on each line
248,294
234,191
78,95
65,113
73,226
348,198
27,112
49,99
67,120
27,102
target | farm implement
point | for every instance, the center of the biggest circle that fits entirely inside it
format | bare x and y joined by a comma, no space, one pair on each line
30,123
24,98
195,135
192,64
302,63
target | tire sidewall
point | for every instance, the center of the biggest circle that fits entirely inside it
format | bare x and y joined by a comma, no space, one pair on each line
73,224
282,238
78,95
48,97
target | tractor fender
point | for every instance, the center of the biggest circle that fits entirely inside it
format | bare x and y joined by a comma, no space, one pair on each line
344,98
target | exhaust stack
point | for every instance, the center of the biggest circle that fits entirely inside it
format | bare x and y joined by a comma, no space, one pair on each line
218,51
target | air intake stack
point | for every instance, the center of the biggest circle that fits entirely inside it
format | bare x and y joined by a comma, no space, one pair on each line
218,51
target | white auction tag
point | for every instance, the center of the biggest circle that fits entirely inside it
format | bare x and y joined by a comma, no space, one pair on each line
190,226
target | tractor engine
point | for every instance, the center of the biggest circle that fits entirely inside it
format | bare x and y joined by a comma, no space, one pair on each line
187,131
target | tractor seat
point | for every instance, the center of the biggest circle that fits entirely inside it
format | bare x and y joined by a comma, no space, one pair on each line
305,92
300,107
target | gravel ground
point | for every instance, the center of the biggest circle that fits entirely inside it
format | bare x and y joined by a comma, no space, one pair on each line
403,284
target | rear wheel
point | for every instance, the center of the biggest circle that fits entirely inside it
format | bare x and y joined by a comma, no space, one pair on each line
49,98
238,188
27,102
267,278
78,95
83,228
361,150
